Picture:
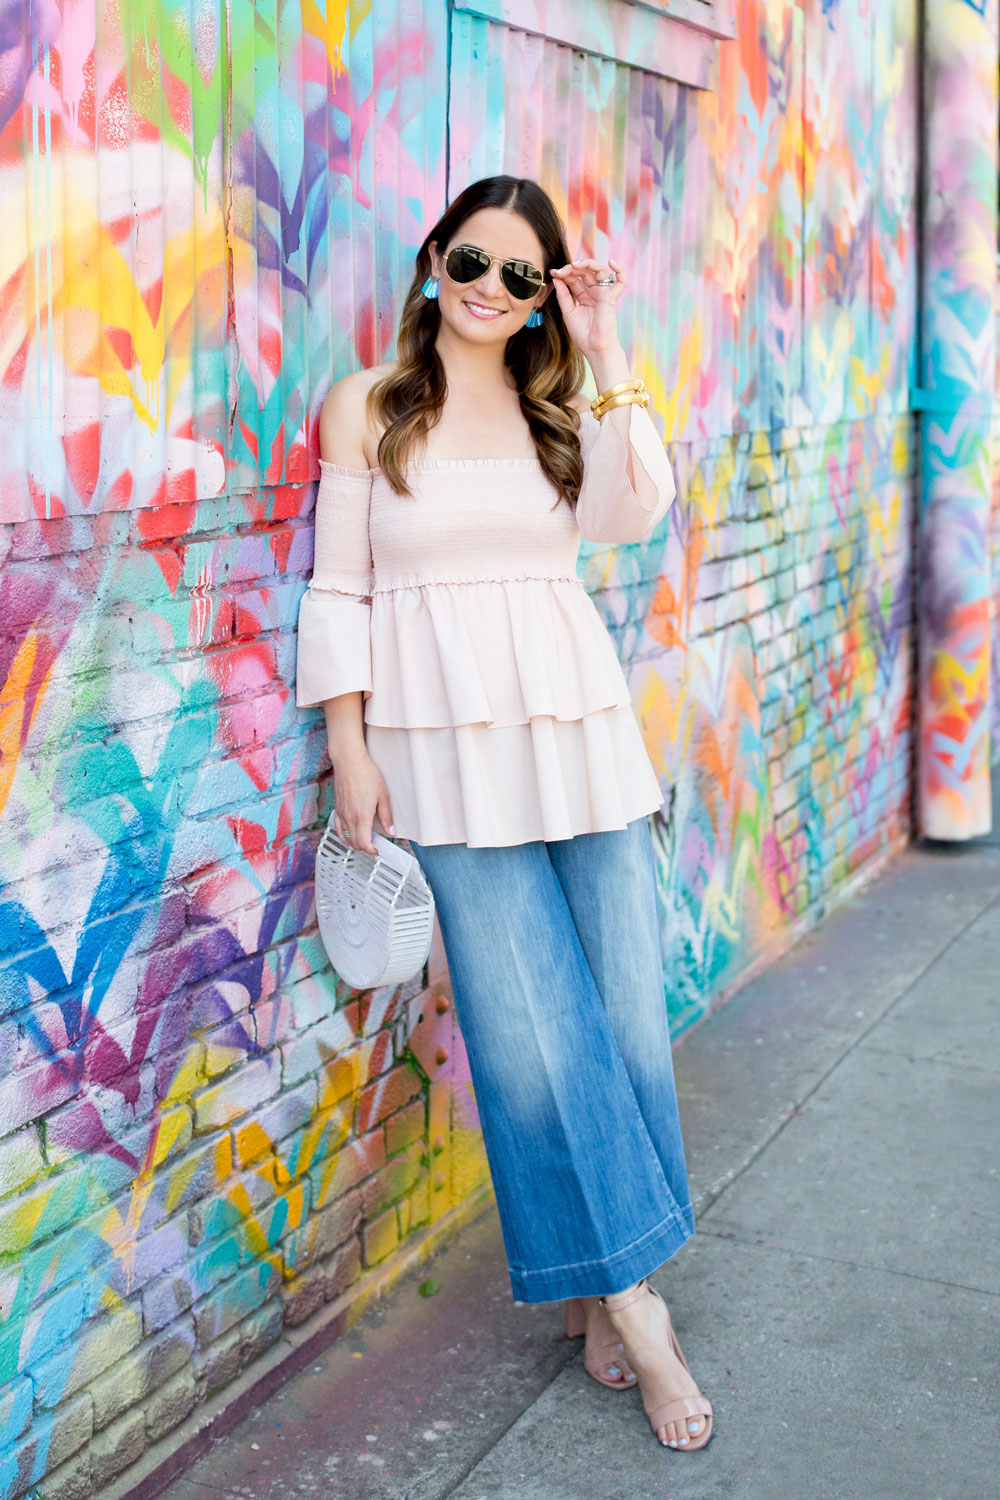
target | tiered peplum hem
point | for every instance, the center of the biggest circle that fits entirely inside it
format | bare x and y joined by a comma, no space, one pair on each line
489,652
547,779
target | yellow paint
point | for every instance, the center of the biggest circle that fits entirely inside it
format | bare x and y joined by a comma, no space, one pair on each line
96,291
27,1219
333,28
13,725
953,687
883,528
866,385
219,1056
170,1128
338,1120
252,1140
184,1171
828,359
724,910
676,404
667,721
341,1078
257,1240
186,1078
121,1234
714,502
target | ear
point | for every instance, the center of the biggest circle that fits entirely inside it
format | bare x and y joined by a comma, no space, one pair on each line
545,294
437,263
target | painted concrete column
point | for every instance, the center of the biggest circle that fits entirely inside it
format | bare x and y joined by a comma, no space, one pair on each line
957,385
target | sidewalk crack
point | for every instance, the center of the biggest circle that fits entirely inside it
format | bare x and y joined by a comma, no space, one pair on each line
858,1265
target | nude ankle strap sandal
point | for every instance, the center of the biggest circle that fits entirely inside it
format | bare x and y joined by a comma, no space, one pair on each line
668,1411
576,1324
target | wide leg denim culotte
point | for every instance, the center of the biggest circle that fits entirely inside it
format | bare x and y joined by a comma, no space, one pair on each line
556,965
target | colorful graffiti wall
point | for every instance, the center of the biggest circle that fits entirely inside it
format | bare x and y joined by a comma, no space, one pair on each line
995,595
956,396
210,213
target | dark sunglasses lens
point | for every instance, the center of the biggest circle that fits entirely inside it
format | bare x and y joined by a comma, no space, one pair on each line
466,265
521,280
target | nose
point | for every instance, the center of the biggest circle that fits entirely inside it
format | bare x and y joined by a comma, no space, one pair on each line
490,283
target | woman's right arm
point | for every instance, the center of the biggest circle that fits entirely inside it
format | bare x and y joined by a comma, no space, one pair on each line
334,646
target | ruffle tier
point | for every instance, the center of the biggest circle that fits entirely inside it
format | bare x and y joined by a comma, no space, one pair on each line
492,653
546,779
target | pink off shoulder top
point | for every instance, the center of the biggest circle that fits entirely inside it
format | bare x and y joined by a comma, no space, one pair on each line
495,705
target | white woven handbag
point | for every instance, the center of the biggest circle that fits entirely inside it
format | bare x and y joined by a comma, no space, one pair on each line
375,911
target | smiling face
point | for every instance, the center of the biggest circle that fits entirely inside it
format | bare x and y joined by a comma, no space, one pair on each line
484,311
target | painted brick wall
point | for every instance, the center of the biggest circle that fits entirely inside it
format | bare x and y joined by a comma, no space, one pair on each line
204,1136
773,674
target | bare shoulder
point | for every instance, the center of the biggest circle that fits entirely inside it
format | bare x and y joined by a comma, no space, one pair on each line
345,434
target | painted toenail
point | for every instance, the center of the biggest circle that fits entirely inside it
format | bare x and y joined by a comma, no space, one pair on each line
694,1427
673,1442
683,1441
613,1370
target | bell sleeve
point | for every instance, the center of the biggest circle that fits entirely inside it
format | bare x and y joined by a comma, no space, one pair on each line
334,632
610,507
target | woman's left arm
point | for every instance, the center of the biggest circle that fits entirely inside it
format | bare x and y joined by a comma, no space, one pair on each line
628,485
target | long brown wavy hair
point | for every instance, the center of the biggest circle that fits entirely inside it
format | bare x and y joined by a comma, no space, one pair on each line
546,365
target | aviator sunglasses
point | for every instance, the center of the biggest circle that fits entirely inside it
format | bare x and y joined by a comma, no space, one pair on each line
467,263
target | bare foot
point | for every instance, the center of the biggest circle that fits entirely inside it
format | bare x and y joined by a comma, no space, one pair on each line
642,1328
611,1363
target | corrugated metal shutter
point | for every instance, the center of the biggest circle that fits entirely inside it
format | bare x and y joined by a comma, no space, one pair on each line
114,263
202,234
326,213
646,168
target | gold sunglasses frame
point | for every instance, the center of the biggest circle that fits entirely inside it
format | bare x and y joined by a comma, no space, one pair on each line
501,260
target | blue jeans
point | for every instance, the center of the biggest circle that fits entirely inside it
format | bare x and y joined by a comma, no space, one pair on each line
557,976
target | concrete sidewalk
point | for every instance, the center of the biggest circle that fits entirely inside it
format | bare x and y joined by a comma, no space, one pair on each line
839,1303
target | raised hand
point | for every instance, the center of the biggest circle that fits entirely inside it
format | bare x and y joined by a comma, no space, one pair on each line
590,310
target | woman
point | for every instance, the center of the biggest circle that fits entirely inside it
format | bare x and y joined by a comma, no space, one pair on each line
475,705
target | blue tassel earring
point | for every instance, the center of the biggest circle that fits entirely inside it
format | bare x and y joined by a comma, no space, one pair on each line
535,318
431,287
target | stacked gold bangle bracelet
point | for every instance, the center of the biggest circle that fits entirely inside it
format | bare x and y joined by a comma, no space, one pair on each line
628,393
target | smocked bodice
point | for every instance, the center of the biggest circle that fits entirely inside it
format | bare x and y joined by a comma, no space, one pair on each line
470,522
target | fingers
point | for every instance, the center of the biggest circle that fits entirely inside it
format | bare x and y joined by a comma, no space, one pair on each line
362,807
583,276
384,813
356,831
563,294
619,273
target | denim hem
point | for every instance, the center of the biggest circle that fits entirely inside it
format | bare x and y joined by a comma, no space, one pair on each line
590,1278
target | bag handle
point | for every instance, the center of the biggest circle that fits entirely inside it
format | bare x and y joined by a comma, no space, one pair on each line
396,858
